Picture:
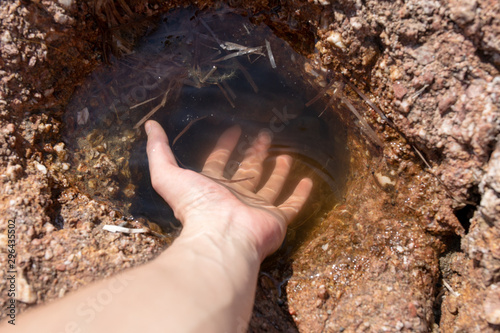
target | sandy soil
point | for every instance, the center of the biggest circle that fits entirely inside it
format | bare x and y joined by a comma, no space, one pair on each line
414,246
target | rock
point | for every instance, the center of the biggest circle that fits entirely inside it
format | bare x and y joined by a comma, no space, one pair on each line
452,304
5,37
491,305
335,39
322,292
10,129
63,18
462,12
399,90
384,181
25,292
61,267
62,292
424,55
48,254
66,3
4,240
14,172
446,102
40,167
60,150
129,190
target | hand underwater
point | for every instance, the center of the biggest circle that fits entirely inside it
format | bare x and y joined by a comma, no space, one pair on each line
236,205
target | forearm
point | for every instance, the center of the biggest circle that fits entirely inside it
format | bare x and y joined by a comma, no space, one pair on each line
213,283
202,283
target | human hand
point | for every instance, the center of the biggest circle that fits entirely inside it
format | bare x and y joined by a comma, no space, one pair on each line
233,208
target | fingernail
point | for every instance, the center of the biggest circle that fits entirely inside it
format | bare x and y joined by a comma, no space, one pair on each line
147,127
264,137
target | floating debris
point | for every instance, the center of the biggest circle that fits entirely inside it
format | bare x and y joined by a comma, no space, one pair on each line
117,228
248,50
82,116
270,54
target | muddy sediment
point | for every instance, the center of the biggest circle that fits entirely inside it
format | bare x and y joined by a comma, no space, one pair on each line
414,245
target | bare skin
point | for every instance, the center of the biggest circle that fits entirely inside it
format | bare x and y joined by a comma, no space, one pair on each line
206,280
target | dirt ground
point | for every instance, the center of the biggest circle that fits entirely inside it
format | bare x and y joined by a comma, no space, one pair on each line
413,247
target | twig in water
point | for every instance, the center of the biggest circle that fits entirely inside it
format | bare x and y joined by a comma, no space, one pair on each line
336,95
152,112
422,157
248,50
191,123
116,228
226,95
145,102
246,28
270,54
365,126
116,112
214,68
370,103
247,76
210,31
320,94
230,46
228,89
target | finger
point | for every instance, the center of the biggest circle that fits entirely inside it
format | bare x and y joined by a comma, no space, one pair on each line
158,149
273,186
161,161
291,207
217,160
251,166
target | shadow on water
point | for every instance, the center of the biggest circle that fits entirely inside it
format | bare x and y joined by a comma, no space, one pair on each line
214,70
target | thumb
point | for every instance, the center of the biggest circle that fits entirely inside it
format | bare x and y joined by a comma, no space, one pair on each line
158,149
163,167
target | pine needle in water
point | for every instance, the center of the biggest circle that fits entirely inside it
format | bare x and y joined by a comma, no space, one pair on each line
364,125
152,112
224,92
247,76
191,123
145,102
370,103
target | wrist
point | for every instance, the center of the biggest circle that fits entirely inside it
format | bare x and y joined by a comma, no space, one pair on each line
222,240
227,230
217,242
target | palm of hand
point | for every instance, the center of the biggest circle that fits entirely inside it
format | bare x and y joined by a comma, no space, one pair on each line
208,201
